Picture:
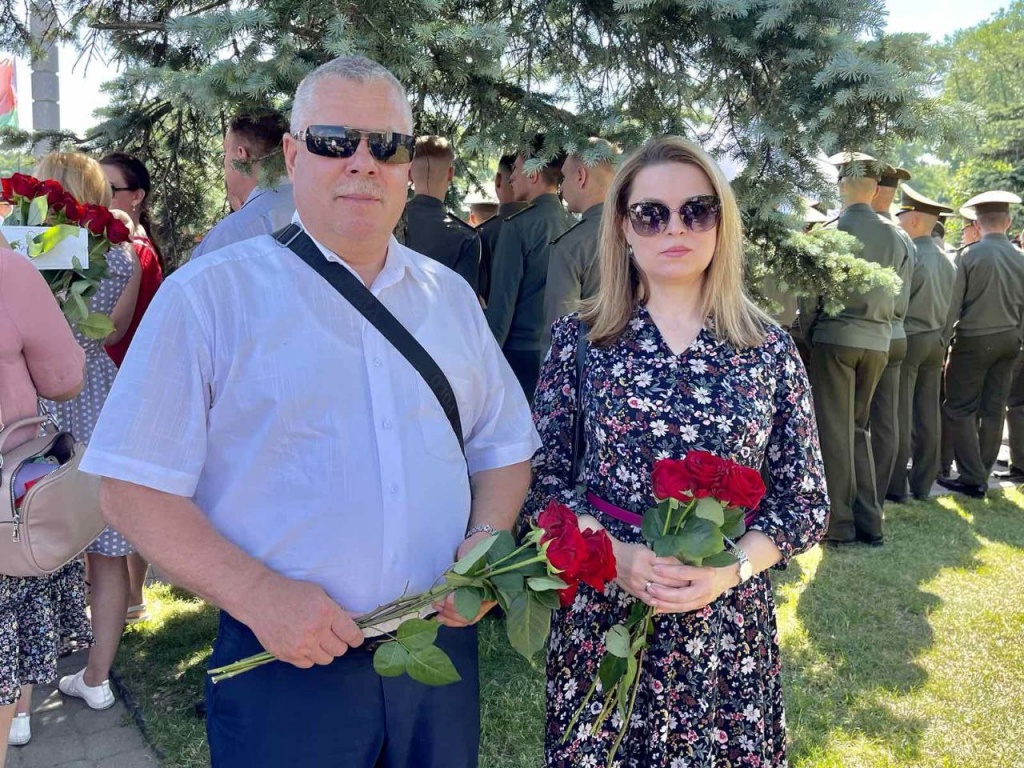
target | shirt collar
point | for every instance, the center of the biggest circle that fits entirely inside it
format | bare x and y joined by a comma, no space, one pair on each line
427,201
995,236
283,183
395,263
592,211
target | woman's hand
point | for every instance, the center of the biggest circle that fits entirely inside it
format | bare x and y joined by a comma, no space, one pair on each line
634,567
678,588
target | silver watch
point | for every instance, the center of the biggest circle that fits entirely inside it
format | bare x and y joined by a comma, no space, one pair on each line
746,567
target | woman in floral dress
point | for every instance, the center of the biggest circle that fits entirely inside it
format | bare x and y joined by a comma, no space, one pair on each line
678,359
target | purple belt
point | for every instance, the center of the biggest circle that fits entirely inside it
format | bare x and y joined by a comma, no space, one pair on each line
632,518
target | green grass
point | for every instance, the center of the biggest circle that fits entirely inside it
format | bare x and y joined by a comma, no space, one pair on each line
911,655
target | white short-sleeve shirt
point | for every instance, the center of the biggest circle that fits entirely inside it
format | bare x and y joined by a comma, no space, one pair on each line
309,441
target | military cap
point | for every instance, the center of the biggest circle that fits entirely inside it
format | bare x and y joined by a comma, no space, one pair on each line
939,230
869,166
813,216
968,213
915,201
892,176
996,201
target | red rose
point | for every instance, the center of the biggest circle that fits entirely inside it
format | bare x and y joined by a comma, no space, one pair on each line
54,192
96,218
567,595
740,486
599,567
567,553
705,470
555,519
118,232
72,210
671,480
8,188
24,186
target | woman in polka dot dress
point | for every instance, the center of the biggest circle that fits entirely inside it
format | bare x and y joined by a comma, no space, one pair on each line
116,297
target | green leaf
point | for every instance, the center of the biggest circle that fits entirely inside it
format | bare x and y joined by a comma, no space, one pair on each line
504,545
509,585
76,308
654,522
721,560
48,240
616,640
431,666
37,211
474,556
390,659
668,546
417,633
454,580
95,326
636,614
639,643
467,602
542,583
734,526
527,622
610,671
549,599
625,685
711,510
698,539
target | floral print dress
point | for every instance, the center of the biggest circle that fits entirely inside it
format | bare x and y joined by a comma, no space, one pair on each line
710,689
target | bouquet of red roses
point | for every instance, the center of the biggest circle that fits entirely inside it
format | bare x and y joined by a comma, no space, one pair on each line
529,581
700,507
47,204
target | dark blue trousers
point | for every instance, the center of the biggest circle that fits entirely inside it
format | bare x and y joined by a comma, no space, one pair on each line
342,715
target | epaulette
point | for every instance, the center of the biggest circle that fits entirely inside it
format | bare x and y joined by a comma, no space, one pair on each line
570,229
519,213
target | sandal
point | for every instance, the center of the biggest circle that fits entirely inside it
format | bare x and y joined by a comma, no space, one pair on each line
136,613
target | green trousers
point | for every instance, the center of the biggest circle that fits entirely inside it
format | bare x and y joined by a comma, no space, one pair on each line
1015,414
977,388
843,381
920,415
885,418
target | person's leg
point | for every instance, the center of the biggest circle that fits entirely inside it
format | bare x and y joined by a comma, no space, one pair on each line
867,511
9,658
927,414
994,394
832,381
885,418
109,604
138,567
908,383
6,717
1015,415
438,727
965,377
279,716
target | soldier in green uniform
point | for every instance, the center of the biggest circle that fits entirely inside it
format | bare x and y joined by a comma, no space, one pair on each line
885,405
849,352
1015,422
920,402
508,203
429,228
984,321
572,265
515,309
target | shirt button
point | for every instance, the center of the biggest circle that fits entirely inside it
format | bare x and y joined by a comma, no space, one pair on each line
387,423
378,362
394,487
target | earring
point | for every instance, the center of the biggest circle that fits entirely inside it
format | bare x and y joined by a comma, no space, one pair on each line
629,251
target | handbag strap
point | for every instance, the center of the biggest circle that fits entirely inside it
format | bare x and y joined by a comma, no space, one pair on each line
369,306
579,440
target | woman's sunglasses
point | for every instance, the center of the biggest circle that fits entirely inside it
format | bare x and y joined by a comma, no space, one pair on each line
699,214
340,141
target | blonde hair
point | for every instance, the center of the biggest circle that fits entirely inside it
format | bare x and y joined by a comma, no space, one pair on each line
736,318
79,174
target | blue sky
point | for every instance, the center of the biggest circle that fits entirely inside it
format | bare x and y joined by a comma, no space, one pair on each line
81,95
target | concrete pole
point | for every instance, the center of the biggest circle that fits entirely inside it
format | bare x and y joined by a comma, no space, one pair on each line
45,83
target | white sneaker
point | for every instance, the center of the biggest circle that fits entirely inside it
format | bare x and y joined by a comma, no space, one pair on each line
96,696
21,731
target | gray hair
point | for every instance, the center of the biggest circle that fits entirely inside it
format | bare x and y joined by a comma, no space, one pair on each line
352,68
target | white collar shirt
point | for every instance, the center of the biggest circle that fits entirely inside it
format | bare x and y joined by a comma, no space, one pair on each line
264,211
308,440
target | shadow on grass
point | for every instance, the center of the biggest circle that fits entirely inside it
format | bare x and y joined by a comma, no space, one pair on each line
865,615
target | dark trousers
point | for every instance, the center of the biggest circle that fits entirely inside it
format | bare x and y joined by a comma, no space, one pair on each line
525,364
946,451
977,388
342,715
1015,414
844,381
920,415
885,418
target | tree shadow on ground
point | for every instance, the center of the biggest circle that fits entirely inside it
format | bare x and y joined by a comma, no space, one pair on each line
865,617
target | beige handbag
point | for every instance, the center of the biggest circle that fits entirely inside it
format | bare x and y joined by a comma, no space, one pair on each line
59,516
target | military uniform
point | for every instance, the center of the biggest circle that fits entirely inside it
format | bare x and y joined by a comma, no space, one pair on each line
572,269
849,352
515,308
885,405
986,310
488,240
434,232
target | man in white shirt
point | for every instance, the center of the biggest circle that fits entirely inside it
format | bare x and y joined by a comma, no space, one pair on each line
255,209
268,449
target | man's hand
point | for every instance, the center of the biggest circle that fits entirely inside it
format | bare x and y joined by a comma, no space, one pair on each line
298,623
446,613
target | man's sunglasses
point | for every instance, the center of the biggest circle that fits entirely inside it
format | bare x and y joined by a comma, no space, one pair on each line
698,214
340,141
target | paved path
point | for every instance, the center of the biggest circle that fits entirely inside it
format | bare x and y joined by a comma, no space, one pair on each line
66,733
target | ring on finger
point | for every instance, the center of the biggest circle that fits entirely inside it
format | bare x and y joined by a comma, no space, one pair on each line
647,587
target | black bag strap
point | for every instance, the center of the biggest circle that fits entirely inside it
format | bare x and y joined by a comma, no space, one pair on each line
359,296
579,440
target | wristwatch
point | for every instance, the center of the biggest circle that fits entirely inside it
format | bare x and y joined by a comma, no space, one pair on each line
746,568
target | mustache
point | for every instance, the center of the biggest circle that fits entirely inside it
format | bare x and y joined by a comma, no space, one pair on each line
361,188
